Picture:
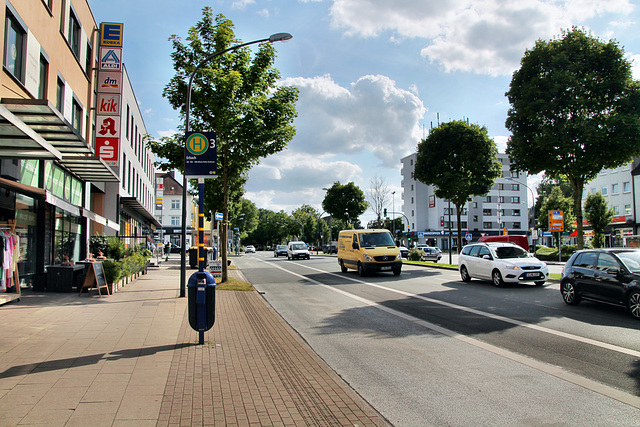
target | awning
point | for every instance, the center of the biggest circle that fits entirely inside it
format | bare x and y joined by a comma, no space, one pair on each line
133,205
34,129
22,188
574,234
100,219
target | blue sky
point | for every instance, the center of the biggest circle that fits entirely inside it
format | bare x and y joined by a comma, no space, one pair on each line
374,75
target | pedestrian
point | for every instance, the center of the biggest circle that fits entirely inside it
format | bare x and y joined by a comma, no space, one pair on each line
167,250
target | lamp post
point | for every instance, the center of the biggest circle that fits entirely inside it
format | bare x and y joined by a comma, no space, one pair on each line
393,209
183,256
533,201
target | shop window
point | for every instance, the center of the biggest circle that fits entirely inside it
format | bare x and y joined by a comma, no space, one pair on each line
27,231
14,46
66,239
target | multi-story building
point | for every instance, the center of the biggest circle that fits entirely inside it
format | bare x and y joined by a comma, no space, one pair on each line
503,209
618,187
168,210
56,190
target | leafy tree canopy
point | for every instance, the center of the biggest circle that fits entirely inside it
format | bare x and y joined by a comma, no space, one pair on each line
599,215
459,160
345,202
575,110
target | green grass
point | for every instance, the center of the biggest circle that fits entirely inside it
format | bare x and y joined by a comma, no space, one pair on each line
233,285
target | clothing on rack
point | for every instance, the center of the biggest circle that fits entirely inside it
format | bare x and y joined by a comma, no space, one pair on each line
9,254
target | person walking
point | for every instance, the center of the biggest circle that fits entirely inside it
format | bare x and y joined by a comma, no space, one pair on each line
167,250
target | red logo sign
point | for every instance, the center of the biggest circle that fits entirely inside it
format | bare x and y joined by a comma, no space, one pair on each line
108,149
108,104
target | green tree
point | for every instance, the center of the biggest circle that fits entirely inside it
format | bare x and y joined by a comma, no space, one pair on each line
544,190
575,110
460,161
236,96
599,215
345,202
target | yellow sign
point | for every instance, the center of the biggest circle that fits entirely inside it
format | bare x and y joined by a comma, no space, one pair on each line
111,34
556,221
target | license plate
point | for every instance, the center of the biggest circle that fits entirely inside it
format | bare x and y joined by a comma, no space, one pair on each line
385,268
533,274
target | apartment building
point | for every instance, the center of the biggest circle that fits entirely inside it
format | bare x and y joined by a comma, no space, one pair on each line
168,210
57,188
503,209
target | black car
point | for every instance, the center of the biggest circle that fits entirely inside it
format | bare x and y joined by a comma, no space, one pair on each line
605,275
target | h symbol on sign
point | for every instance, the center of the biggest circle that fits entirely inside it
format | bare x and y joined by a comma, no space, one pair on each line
198,144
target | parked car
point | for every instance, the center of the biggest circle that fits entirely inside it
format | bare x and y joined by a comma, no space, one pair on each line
431,254
330,249
176,249
280,250
249,249
605,275
298,250
501,262
404,251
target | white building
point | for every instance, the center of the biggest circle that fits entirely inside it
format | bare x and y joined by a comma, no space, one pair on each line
168,209
504,208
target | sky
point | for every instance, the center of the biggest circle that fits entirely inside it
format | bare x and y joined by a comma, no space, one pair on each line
374,75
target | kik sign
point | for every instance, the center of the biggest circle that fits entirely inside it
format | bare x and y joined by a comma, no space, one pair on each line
109,104
200,155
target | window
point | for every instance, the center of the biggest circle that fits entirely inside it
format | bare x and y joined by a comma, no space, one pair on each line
515,199
616,210
60,96
124,170
486,224
626,187
486,199
516,212
42,81
516,226
475,204
615,188
515,187
515,174
14,46
74,33
76,115
627,209
175,220
175,204
500,186
475,218
89,63
127,131
604,190
486,212
500,199
412,200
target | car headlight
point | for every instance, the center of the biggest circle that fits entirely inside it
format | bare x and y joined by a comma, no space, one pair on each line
367,257
512,267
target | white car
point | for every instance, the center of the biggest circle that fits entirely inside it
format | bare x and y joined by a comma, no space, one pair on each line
249,249
501,262
297,250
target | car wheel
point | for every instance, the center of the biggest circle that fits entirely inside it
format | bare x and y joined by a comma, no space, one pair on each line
539,283
569,294
464,274
634,304
308,256
497,278
361,271
396,271
342,267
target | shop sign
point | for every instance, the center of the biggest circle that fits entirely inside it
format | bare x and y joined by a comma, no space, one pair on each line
108,104
109,81
111,34
108,149
108,126
110,59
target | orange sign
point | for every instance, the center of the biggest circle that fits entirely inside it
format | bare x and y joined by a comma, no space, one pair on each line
556,221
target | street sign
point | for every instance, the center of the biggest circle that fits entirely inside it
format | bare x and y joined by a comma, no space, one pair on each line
556,221
219,216
468,236
200,155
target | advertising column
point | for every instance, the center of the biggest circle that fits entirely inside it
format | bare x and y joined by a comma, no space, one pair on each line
109,89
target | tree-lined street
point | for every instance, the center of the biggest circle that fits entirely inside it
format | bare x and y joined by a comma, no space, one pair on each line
424,347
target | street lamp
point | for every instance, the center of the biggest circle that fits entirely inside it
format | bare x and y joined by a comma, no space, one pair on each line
393,212
533,201
183,256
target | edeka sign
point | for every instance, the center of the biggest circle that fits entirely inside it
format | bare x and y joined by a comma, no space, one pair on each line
200,155
111,34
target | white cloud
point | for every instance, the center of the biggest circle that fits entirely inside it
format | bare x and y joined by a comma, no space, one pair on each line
372,115
241,4
479,36
170,132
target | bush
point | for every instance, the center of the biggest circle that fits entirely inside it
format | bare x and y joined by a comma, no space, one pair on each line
551,254
415,255
112,271
115,248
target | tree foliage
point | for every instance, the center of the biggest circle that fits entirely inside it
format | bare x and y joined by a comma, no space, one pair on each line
460,161
557,201
345,202
234,94
575,110
599,215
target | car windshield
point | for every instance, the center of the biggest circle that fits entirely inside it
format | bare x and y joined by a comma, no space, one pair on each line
631,259
298,247
506,252
372,240
282,247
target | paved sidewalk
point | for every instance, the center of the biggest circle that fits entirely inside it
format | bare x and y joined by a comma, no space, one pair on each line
132,359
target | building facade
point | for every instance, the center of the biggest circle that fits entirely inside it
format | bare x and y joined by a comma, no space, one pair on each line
168,210
55,189
431,220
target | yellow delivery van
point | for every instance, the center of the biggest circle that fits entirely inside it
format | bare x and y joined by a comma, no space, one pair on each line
367,251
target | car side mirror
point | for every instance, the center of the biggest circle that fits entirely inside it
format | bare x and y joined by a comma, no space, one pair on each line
486,257
354,245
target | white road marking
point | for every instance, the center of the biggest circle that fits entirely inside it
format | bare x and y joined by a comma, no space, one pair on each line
556,371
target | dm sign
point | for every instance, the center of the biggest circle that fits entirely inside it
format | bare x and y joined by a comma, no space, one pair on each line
200,155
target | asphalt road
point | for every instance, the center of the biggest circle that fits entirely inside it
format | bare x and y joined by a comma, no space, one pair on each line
425,348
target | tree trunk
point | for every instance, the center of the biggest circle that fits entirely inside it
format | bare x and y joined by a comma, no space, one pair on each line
459,219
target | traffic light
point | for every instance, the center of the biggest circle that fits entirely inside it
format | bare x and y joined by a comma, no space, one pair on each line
385,212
